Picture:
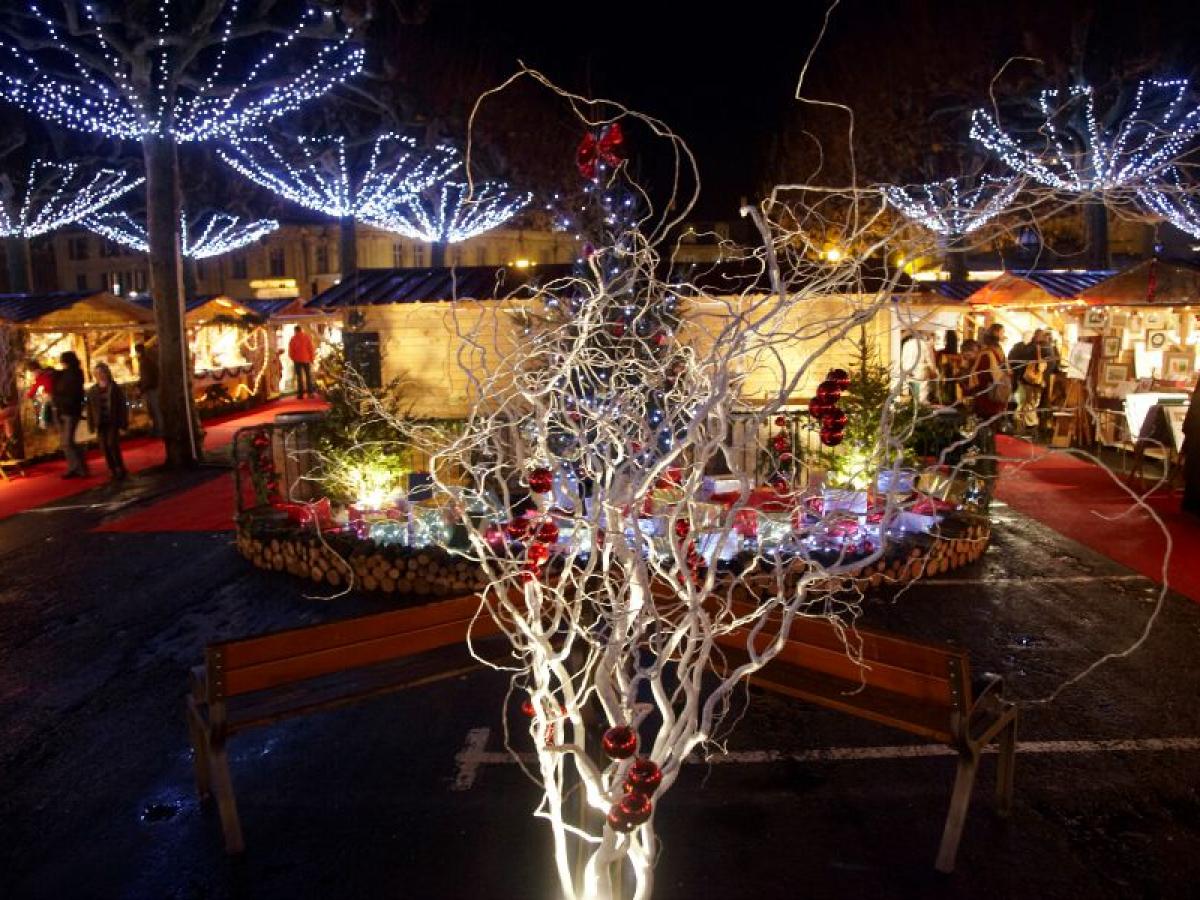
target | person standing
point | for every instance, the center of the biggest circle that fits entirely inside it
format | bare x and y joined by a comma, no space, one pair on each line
990,386
1191,455
109,414
1030,369
148,385
68,398
301,353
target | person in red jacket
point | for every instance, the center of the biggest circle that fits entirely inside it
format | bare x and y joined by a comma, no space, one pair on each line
301,353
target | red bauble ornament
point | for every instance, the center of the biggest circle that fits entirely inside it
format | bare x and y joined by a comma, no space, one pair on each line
785,457
541,481
630,812
619,742
660,340
537,553
644,776
682,528
517,529
547,532
780,421
818,407
828,392
618,329
834,420
831,438
527,707
840,378
780,484
781,442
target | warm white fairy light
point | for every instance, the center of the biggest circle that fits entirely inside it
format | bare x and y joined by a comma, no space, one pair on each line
945,208
1174,201
58,194
173,83
1071,151
318,174
452,212
218,234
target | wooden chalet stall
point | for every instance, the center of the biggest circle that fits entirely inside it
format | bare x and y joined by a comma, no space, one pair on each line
282,317
96,325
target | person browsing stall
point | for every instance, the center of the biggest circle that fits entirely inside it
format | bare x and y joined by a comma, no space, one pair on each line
301,352
68,395
109,414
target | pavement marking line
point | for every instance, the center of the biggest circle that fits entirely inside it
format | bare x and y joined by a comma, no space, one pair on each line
473,755
1034,579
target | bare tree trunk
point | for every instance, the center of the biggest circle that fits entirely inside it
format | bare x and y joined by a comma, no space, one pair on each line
191,280
166,287
348,246
437,254
1095,219
956,258
20,268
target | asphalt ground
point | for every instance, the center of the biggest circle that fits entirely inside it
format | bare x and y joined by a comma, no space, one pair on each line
408,796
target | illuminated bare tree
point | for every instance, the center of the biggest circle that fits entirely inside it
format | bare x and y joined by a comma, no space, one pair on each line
180,72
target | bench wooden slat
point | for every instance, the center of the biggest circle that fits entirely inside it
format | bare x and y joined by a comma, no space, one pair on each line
870,702
312,638
348,687
280,671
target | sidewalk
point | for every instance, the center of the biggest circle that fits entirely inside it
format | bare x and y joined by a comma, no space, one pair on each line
42,483
1092,505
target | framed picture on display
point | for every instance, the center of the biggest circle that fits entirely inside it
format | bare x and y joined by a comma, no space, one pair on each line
1115,373
1175,415
1112,347
1177,365
1095,317
1136,326
1157,339
1154,319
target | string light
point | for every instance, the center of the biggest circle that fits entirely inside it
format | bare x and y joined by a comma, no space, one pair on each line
57,194
1071,152
1175,203
946,209
452,213
323,180
102,95
220,233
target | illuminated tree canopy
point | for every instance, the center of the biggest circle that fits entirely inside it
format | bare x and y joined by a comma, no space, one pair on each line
956,206
58,194
216,234
453,212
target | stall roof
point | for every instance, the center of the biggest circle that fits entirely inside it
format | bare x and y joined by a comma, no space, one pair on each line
1150,282
429,285
1034,288
71,309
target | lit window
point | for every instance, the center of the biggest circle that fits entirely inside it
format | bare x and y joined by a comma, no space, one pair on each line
397,255
419,255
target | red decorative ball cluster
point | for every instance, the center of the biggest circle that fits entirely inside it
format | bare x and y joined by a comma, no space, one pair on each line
824,406
541,481
619,742
263,473
634,808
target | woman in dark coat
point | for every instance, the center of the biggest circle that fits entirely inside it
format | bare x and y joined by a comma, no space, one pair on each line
68,410
109,415
1191,455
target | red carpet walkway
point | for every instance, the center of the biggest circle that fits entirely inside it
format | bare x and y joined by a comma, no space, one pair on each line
42,483
1082,501
208,507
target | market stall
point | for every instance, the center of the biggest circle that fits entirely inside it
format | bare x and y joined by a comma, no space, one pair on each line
96,325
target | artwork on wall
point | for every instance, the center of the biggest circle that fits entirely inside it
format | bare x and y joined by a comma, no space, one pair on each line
1157,339
1112,347
1177,365
1115,373
1095,317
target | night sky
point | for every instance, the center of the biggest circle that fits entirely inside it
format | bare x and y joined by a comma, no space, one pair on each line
724,78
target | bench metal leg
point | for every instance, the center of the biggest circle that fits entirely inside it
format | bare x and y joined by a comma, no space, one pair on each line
201,764
968,764
1004,771
231,826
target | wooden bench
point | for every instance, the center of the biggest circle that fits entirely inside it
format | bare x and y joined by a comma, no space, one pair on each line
924,689
248,683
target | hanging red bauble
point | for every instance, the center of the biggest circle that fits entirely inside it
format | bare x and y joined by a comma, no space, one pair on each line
835,420
619,742
541,481
527,707
682,528
780,421
840,378
630,812
618,329
781,442
537,553
786,457
828,392
643,777
831,438
547,532
818,407
517,529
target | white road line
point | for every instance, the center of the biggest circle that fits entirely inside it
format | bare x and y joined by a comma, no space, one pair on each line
473,755
1034,579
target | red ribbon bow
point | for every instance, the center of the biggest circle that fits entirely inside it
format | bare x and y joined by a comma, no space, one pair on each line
606,148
